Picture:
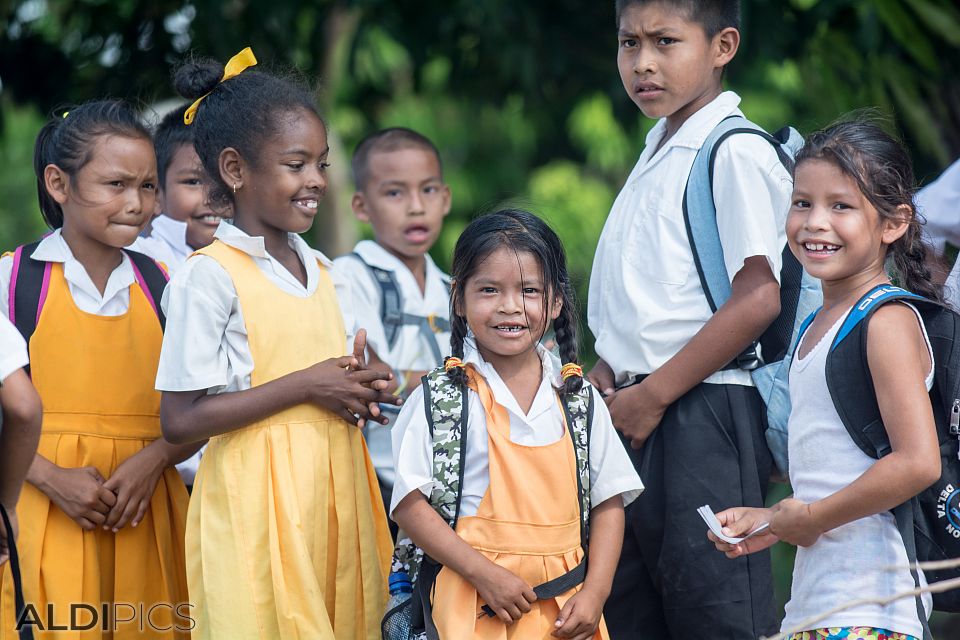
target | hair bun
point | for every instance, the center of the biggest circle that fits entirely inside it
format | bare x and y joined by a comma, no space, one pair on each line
197,78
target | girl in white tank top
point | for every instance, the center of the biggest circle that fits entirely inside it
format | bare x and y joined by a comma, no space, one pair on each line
851,211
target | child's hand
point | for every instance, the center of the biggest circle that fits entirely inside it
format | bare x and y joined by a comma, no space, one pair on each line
4,542
80,494
339,386
360,355
738,522
580,616
505,593
133,483
636,413
794,523
602,378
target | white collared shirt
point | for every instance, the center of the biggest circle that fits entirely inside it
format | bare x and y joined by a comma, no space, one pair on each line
13,349
410,351
205,344
167,242
115,299
646,301
939,204
611,471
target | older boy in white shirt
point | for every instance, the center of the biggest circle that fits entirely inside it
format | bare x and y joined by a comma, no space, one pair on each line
691,418
399,294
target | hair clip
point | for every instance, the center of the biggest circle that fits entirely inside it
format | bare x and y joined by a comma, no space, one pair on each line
571,370
234,66
453,362
65,114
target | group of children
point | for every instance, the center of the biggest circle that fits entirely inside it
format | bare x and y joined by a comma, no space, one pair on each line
276,358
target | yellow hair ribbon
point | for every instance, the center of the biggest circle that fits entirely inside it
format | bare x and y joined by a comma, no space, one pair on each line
571,370
453,362
234,66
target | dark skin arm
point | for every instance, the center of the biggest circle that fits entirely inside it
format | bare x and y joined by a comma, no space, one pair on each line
18,444
754,303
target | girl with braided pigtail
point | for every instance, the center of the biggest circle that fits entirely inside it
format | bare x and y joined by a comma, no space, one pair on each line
519,512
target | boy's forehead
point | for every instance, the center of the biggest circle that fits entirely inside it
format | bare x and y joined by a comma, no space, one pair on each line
658,15
185,156
402,164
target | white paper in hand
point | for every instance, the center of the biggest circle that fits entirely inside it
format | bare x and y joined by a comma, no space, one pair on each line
711,519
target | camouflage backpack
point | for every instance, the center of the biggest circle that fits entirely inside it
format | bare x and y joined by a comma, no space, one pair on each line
446,406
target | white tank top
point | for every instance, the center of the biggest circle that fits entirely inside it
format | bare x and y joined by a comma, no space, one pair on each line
848,563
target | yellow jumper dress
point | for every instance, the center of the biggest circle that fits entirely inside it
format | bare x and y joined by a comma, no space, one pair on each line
528,522
287,536
95,376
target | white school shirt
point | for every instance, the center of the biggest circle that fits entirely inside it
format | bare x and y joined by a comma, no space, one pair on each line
645,298
205,344
939,204
53,248
611,471
167,242
849,562
411,351
13,349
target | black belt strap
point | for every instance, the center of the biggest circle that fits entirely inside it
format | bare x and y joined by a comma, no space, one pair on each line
904,517
555,587
26,631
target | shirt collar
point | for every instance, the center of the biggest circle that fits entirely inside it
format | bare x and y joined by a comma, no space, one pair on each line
254,246
376,256
53,248
697,127
550,363
173,232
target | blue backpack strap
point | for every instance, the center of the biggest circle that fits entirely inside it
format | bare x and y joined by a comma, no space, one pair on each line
867,305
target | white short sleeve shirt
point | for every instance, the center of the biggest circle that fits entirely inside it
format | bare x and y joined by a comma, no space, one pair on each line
646,301
611,471
205,344
939,204
13,349
167,242
411,350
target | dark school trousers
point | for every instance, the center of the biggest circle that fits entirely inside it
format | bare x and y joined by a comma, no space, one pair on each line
671,582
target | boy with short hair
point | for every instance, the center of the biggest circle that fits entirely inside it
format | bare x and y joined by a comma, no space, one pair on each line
400,297
692,420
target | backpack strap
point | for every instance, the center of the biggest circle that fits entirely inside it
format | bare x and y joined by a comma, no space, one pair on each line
700,214
152,279
26,630
392,315
29,283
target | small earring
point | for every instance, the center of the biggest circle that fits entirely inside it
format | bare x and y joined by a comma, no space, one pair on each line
235,187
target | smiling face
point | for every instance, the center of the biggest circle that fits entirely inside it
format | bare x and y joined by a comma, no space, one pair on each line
184,196
404,200
669,66
280,189
110,199
506,306
835,232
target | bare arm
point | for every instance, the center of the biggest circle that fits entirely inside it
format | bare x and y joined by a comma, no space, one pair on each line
899,361
19,436
754,303
504,592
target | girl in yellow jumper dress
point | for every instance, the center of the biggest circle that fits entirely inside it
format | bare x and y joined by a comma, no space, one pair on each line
102,517
286,534
519,516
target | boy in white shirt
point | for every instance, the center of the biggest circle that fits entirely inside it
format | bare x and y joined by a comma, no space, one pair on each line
690,417
399,294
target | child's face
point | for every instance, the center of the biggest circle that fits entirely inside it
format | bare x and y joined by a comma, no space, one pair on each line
833,230
668,65
405,201
503,302
184,196
111,198
282,189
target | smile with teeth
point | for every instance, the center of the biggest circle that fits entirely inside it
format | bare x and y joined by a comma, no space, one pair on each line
308,203
510,328
820,247
210,218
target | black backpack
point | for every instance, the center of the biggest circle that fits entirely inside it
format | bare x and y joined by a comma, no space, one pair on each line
929,523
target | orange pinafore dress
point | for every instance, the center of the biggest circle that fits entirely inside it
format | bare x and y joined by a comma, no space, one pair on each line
286,535
95,376
528,522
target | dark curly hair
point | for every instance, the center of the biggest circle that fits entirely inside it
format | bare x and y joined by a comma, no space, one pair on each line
242,112
521,232
881,168
68,140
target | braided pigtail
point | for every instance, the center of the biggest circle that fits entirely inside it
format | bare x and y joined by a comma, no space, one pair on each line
565,328
909,256
458,333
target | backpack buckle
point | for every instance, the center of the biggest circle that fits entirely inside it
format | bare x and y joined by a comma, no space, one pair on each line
749,359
